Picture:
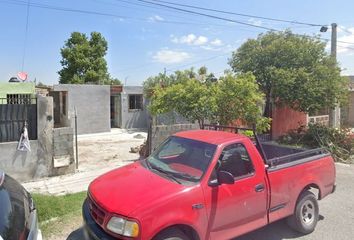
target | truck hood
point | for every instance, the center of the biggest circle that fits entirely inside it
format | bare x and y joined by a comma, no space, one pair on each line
126,189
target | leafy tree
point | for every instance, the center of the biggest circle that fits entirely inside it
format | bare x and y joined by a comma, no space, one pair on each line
231,98
163,80
191,99
83,60
291,70
238,98
112,81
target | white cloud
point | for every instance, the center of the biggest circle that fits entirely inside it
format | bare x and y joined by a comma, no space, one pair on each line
156,18
201,40
216,42
167,56
190,39
255,22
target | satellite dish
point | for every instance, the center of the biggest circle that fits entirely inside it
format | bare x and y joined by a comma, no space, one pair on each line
22,76
13,79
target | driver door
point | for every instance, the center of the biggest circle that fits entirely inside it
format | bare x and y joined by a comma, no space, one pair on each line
234,209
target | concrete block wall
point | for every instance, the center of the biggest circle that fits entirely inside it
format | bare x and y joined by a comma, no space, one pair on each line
63,148
159,133
92,104
133,118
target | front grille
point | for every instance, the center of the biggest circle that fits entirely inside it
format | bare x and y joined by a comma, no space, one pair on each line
97,213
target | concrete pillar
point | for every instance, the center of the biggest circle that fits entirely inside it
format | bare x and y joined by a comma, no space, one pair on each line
45,125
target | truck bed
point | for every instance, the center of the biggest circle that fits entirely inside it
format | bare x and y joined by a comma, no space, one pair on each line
283,156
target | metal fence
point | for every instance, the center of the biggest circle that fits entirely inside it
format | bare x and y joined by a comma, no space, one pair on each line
15,111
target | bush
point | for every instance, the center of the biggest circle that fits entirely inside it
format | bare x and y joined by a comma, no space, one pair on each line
340,142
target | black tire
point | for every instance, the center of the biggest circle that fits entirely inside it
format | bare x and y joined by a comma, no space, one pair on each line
305,217
172,234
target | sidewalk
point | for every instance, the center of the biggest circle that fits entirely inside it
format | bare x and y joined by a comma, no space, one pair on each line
98,154
71,183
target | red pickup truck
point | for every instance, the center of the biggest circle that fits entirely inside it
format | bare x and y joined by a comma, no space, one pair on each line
207,184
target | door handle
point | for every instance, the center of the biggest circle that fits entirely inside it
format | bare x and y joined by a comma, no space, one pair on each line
259,187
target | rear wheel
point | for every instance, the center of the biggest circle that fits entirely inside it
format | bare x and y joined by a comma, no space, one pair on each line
172,234
305,217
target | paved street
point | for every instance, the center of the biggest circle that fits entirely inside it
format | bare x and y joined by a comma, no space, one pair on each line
336,214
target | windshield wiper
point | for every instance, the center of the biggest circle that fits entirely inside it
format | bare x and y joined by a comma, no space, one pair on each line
167,173
185,176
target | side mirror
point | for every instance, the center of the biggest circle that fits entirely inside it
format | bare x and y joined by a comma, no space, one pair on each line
223,177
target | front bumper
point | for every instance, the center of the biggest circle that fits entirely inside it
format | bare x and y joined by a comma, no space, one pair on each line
92,230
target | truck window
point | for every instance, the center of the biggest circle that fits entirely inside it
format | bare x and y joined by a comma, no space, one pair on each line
183,158
235,160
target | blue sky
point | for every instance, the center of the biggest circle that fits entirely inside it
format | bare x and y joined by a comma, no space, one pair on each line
142,41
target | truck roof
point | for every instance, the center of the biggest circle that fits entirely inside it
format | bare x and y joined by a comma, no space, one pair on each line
209,136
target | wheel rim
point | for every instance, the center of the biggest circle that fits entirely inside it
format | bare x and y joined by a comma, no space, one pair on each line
308,212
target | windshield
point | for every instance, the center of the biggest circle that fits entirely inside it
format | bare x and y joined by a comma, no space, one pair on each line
182,158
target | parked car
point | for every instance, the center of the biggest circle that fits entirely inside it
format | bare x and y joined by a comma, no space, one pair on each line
206,184
18,215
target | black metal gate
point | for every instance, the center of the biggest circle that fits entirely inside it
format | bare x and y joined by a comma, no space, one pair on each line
13,116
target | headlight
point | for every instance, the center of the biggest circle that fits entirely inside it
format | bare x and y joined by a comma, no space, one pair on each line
123,227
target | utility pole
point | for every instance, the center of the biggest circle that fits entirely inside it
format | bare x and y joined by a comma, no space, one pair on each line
334,114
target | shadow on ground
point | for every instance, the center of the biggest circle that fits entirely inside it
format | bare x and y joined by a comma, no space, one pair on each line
275,231
78,234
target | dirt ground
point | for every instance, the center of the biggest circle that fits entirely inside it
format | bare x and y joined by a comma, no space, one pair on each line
108,149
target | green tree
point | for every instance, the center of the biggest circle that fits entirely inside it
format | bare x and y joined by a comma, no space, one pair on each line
239,98
291,70
231,98
191,99
83,60
163,80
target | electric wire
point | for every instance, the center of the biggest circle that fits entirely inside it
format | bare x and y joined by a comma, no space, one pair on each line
238,14
26,36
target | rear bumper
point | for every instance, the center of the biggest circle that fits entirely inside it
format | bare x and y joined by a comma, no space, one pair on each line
92,230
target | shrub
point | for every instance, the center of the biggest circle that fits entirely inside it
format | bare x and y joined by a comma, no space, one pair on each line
340,142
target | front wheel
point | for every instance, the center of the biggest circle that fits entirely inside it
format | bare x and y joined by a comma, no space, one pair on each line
171,234
305,217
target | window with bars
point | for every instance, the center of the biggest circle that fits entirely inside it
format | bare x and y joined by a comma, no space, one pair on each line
135,102
18,98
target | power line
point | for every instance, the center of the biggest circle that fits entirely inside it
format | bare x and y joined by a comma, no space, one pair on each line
199,61
45,6
351,48
345,42
238,14
208,15
26,36
51,7
228,19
